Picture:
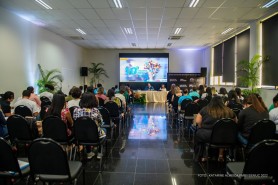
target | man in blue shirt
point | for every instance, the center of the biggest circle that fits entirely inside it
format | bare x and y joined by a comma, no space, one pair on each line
149,87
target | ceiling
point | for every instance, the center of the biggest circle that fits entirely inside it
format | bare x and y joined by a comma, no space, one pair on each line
151,21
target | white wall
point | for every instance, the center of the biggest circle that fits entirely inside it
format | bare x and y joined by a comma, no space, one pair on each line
180,61
23,45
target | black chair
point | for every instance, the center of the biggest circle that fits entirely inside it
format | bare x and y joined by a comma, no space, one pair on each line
224,135
23,111
86,134
114,113
20,131
45,104
236,111
49,163
53,127
72,110
44,98
10,166
100,102
194,98
188,116
184,103
263,129
107,122
260,165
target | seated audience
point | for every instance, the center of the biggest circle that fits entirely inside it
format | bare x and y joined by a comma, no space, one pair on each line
194,93
33,96
69,97
205,120
58,108
223,92
116,89
208,94
28,103
149,87
185,96
7,98
121,96
201,90
233,101
239,95
100,93
91,89
49,92
273,114
111,97
253,112
96,89
3,124
170,94
214,91
88,107
76,94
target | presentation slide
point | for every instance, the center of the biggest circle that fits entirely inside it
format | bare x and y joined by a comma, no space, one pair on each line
143,69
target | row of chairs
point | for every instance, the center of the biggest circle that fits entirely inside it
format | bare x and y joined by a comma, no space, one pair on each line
41,164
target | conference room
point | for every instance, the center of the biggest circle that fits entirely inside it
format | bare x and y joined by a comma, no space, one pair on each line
141,46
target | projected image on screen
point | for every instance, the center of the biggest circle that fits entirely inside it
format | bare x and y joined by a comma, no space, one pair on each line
148,127
143,69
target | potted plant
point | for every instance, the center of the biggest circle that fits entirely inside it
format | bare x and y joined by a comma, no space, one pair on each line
97,72
51,77
249,73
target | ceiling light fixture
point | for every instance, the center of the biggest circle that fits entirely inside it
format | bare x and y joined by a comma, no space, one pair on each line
43,4
133,44
128,31
270,3
169,44
193,3
177,31
81,31
118,3
227,30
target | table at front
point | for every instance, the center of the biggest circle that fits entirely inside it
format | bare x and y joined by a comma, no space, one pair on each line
155,96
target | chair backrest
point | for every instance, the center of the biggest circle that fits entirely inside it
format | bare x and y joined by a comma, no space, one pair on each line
105,115
203,102
184,103
45,99
8,161
72,110
224,132
235,105
47,157
19,129
23,111
45,104
191,109
53,127
100,102
236,111
263,129
262,159
113,108
85,130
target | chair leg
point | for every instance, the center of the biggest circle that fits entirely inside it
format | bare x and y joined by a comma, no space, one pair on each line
100,162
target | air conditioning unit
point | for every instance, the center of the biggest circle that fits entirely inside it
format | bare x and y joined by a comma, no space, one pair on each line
174,37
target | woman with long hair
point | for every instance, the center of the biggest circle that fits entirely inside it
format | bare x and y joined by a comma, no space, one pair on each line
233,100
58,108
88,107
254,111
205,120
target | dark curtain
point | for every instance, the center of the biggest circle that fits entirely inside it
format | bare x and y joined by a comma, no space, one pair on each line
217,66
243,47
270,51
229,60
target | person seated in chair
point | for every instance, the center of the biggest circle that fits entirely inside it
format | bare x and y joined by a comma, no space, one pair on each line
273,114
163,88
49,92
7,98
35,109
33,96
149,87
3,124
76,94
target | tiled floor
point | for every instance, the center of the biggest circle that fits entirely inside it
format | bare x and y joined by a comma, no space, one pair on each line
151,152
136,158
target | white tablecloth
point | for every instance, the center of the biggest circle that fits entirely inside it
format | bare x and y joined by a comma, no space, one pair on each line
155,96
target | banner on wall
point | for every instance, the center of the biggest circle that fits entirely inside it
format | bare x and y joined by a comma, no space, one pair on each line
185,80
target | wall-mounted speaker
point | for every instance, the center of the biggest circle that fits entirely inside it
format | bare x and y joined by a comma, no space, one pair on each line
203,71
83,71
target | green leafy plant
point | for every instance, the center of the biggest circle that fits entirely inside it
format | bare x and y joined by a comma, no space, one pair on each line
249,72
51,77
97,72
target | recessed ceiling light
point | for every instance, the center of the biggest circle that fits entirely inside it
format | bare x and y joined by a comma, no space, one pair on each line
193,3
177,31
227,30
270,3
118,3
80,31
169,44
43,4
128,31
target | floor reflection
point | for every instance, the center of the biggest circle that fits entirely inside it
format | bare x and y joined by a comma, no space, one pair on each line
148,127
